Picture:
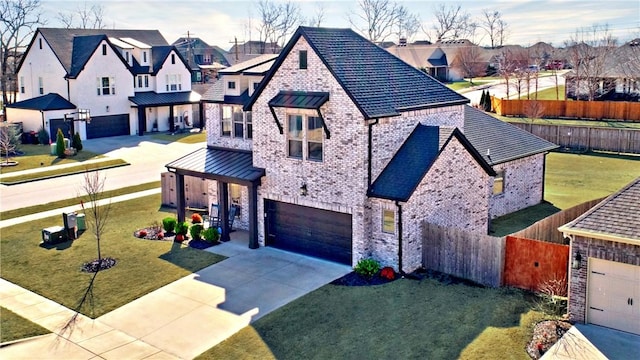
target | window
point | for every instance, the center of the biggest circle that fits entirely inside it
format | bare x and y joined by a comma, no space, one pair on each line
388,221
127,55
40,43
295,136
235,192
498,183
104,49
41,85
174,82
146,81
238,122
255,85
173,58
314,138
106,86
139,81
144,56
231,85
302,55
22,84
198,76
305,131
225,121
248,116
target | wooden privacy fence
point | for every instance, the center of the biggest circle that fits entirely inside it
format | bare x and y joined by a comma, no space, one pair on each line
619,110
464,254
530,263
195,191
547,228
586,137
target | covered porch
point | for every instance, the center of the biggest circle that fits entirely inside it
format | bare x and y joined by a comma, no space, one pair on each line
225,166
151,99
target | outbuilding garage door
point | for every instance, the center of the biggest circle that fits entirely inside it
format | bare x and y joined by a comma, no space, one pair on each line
614,295
310,231
105,126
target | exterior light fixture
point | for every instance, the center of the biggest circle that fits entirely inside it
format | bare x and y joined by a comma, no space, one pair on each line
577,260
303,190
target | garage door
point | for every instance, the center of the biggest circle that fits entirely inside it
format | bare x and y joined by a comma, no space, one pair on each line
614,295
105,126
54,125
310,231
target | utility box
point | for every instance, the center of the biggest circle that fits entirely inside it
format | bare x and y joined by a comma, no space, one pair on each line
54,235
80,220
70,224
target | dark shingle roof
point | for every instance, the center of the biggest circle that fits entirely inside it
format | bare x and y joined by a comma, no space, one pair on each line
413,160
505,141
151,98
83,48
617,217
379,83
219,163
61,40
160,53
45,103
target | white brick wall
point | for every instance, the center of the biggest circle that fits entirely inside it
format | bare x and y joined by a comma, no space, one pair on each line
213,113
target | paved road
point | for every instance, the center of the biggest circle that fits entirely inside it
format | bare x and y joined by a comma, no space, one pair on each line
499,89
146,156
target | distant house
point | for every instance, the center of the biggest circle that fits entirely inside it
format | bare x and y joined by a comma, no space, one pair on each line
349,151
101,82
604,276
204,60
243,51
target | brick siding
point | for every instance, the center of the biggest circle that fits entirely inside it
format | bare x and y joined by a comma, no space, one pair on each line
523,185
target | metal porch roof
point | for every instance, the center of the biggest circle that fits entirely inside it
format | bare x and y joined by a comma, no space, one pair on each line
299,99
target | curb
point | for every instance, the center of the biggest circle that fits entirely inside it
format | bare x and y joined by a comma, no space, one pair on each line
10,183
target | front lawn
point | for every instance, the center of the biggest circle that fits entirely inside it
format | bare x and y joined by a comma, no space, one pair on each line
72,170
38,156
547,94
143,265
15,327
186,137
405,319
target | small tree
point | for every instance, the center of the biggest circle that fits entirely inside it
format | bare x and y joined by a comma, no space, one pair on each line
482,99
97,216
77,142
487,101
8,142
60,144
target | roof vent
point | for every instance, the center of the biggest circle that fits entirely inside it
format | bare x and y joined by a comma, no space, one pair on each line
403,41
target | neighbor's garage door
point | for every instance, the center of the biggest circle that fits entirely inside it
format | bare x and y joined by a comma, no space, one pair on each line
105,126
614,295
54,125
310,231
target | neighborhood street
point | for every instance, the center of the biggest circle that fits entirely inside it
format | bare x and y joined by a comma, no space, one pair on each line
499,89
146,156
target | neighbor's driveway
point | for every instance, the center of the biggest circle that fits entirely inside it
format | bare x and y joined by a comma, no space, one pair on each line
146,156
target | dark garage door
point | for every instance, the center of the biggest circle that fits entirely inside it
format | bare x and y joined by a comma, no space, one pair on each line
310,231
105,126
54,125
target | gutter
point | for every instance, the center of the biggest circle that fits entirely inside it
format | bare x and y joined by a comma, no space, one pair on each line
399,238
370,151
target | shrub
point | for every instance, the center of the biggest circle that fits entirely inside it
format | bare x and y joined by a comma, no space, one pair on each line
60,144
211,234
76,142
367,267
196,218
182,228
142,233
160,236
169,224
388,273
196,231
43,136
552,296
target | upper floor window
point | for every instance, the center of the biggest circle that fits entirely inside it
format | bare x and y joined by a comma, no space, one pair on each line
255,85
173,58
106,86
238,122
305,136
139,81
231,85
40,43
174,82
249,119
303,59
126,56
104,49
498,183
22,84
234,122
225,120
41,86
146,81
144,56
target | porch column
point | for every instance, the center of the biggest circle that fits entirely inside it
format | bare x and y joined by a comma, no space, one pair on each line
172,126
180,198
253,216
142,120
223,198
202,117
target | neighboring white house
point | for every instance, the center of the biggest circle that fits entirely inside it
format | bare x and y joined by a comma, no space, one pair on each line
123,81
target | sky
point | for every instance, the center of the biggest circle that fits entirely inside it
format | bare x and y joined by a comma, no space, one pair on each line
219,22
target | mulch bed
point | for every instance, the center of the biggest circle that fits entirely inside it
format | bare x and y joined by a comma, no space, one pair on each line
99,265
154,234
545,334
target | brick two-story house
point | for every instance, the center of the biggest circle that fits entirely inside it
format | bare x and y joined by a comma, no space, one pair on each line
352,150
125,81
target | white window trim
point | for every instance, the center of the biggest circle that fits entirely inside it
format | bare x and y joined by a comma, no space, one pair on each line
232,122
112,85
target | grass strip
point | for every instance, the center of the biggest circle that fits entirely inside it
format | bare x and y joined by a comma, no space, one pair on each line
76,201
38,156
48,174
54,271
185,138
15,327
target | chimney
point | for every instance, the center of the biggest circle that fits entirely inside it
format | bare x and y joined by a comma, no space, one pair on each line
403,41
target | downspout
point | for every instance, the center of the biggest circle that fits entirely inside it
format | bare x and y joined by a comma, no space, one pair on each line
399,227
544,171
370,152
68,89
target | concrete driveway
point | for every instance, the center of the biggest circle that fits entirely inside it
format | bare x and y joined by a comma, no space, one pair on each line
181,319
592,342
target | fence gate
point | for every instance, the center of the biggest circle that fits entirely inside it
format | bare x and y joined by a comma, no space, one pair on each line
529,263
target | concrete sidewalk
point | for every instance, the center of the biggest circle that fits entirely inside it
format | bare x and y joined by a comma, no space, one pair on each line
181,319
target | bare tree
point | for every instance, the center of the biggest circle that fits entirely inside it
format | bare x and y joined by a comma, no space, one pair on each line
506,67
318,16
8,141
533,109
18,19
277,22
407,24
496,28
98,215
84,17
469,62
376,19
451,22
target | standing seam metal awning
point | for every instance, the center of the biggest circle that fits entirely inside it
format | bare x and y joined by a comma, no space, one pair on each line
234,166
300,100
